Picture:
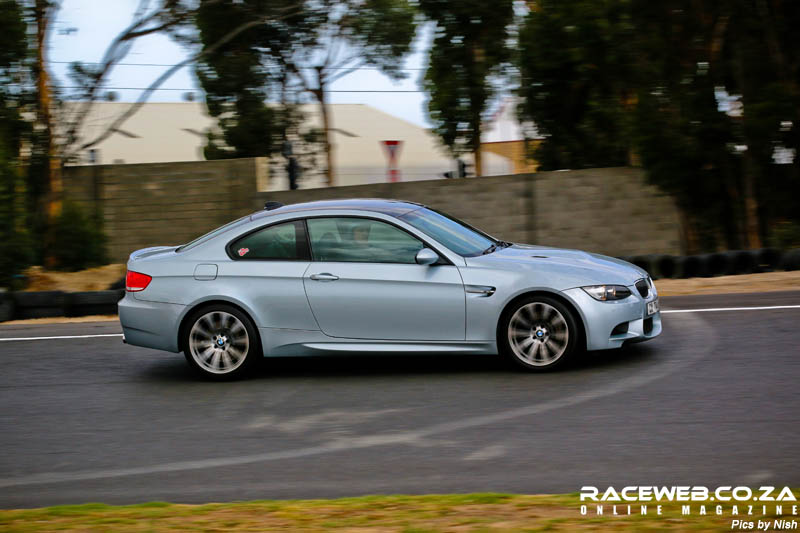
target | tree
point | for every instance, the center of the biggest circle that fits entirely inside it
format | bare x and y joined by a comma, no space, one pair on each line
302,53
576,64
14,238
470,46
56,138
632,79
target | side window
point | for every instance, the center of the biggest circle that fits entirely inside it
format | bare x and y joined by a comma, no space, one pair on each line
361,240
285,242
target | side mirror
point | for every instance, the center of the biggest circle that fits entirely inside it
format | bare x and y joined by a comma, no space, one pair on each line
426,256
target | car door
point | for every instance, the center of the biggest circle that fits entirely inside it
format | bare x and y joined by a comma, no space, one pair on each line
267,272
364,283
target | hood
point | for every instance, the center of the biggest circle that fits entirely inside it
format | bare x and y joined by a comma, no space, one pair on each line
565,268
152,252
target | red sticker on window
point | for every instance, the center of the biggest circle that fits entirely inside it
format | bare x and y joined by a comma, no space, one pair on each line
243,251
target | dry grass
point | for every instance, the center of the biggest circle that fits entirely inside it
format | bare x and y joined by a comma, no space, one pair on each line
402,514
766,282
92,279
62,320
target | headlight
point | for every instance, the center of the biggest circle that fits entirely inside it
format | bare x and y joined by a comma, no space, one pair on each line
605,293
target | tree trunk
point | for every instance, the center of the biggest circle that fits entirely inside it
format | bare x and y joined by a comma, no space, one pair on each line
53,195
330,177
54,189
689,241
750,202
749,165
477,154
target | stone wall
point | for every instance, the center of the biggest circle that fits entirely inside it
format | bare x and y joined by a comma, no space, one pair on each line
610,210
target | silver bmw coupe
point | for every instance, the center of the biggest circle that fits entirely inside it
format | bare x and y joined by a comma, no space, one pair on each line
377,276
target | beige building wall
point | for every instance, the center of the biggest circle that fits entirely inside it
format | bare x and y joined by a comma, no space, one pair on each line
173,132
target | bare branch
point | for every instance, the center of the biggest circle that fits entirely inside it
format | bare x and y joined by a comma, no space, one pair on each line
116,51
341,71
117,123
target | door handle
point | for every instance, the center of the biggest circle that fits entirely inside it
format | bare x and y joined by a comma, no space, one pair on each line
325,276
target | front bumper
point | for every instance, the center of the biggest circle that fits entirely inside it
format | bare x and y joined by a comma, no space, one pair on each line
150,324
612,324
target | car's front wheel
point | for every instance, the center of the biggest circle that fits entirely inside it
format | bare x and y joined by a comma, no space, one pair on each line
538,333
221,342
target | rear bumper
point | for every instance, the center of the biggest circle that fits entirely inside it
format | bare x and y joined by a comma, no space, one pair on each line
627,316
150,324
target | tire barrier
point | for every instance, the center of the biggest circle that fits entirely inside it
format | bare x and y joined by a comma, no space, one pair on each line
791,260
41,304
730,263
768,259
692,266
668,266
717,264
654,265
92,303
119,284
6,306
644,262
714,264
743,262
47,304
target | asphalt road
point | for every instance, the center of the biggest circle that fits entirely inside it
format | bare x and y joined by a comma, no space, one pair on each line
713,401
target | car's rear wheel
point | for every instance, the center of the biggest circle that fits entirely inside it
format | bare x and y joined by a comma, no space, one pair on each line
538,333
221,342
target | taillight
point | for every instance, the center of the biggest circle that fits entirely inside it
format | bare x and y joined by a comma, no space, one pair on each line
136,281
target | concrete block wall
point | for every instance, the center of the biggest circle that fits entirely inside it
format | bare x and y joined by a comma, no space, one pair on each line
500,206
610,210
163,203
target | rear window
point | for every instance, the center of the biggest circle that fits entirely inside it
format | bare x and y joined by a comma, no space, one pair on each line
213,233
281,242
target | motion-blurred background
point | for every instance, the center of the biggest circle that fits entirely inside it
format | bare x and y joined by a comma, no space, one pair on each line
672,125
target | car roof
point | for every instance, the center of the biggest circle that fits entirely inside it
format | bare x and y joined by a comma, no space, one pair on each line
376,205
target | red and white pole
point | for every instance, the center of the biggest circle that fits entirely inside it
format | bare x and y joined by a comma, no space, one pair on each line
392,150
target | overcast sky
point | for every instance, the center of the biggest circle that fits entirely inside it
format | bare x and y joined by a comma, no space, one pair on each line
84,28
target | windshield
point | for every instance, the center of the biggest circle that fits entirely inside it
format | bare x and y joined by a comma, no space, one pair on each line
456,235
213,233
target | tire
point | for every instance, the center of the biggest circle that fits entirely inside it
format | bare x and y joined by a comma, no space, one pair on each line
221,342
668,267
530,317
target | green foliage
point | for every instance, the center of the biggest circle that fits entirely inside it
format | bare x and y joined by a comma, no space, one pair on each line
12,33
470,45
79,240
236,83
254,82
576,65
611,82
15,241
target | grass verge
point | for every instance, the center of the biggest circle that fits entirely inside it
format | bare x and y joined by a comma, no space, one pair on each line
405,514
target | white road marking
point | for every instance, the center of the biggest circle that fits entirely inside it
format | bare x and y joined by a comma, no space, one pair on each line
489,452
716,309
59,337
411,437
